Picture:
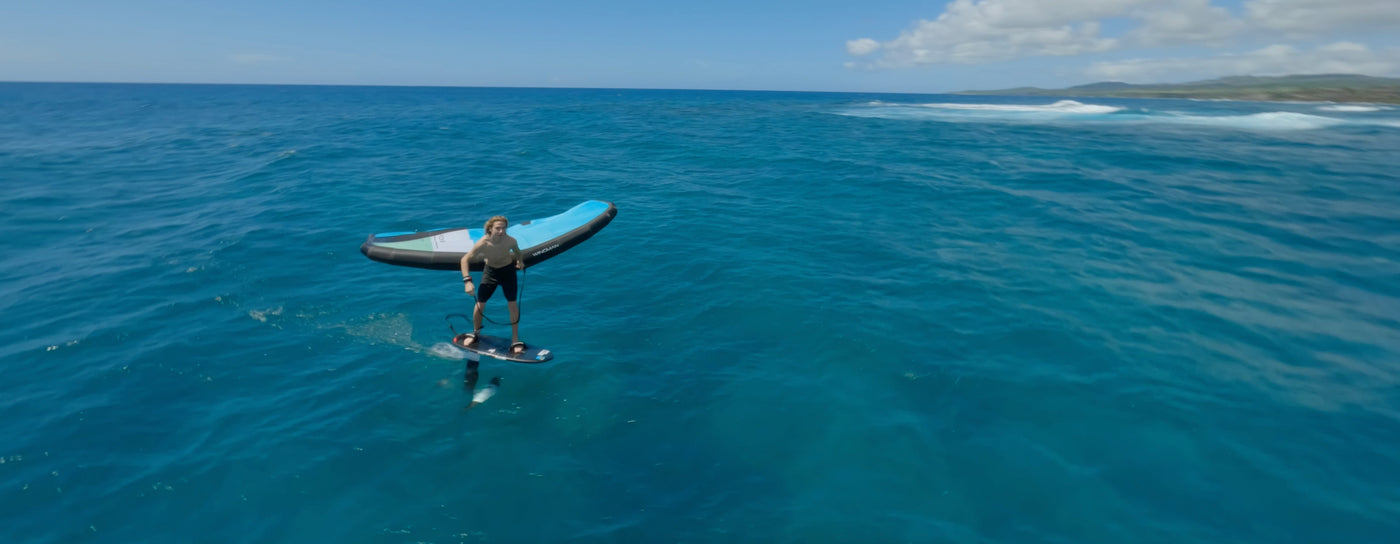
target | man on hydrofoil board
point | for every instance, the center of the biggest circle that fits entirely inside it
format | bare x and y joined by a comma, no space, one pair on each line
501,257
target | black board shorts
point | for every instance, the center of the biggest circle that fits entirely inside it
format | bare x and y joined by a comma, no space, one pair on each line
491,277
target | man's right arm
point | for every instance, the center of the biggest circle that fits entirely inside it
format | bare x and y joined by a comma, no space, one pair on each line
466,268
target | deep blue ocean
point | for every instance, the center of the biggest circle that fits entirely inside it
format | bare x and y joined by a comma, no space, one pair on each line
816,318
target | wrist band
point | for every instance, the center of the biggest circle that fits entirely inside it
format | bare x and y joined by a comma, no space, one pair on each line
466,279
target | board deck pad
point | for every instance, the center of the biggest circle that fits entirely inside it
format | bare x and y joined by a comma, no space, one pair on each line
495,346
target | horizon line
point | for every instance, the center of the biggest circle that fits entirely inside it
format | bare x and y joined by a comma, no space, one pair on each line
449,86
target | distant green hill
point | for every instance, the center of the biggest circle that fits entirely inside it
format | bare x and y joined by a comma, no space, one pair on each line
1316,87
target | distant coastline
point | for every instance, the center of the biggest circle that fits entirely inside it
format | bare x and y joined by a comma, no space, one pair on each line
1299,88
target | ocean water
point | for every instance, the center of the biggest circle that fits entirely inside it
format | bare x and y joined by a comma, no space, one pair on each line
816,318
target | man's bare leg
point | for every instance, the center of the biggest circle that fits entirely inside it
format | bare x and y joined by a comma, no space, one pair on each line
514,323
476,317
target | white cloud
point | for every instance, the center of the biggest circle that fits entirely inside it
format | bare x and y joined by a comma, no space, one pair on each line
971,32
1301,17
982,31
861,47
977,31
1184,22
998,16
1340,57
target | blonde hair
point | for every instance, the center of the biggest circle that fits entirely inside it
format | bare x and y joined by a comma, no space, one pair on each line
501,218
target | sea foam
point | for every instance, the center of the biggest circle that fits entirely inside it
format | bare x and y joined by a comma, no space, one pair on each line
1274,120
1063,106
1351,108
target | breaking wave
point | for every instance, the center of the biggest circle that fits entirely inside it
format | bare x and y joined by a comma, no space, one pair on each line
1063,106
1071,111
1351,108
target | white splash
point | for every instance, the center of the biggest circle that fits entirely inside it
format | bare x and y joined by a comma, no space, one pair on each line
447,351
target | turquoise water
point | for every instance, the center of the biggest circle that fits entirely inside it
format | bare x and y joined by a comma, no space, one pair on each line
816,318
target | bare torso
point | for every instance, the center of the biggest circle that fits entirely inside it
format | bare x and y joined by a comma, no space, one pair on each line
495,251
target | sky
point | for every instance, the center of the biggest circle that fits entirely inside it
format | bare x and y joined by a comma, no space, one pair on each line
814,45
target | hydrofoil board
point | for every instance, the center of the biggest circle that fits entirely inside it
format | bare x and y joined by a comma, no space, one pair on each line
495,346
